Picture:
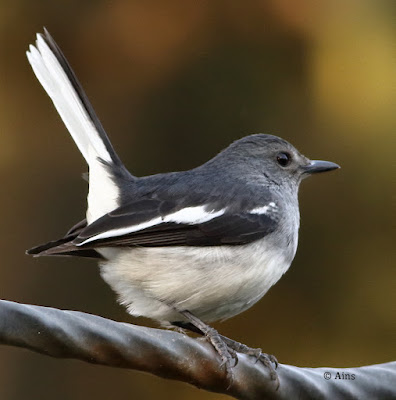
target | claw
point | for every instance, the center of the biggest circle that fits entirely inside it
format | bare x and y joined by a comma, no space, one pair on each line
236,360
257,353
273,360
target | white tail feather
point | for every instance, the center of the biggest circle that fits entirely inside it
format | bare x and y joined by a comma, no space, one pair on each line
58,86
103,193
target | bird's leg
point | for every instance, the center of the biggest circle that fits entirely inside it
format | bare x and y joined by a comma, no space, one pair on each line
189,326
226,353
235,346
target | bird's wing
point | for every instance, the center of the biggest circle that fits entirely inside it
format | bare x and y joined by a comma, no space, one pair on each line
156,223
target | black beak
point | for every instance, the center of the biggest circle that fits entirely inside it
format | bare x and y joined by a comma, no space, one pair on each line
316,166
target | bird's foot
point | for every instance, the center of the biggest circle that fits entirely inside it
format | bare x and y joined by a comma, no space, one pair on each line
228,348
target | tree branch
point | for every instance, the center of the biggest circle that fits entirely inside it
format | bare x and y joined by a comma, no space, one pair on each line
168,354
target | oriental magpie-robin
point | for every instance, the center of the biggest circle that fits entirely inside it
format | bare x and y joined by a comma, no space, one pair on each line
186,247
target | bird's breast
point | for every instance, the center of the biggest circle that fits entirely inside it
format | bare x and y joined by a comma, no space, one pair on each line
214,282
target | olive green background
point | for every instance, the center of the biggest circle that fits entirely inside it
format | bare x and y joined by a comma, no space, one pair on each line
173,82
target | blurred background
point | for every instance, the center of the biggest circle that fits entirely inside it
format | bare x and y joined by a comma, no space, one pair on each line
174,82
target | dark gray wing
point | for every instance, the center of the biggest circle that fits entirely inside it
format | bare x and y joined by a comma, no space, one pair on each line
158,222
154,223
231,229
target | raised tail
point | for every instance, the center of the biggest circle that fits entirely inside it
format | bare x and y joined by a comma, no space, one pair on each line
61,84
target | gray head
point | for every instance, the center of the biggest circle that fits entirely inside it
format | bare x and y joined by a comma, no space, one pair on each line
272,157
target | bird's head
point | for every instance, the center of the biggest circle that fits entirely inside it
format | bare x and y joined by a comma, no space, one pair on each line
273,158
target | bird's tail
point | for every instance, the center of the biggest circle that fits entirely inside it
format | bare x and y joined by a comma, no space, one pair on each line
61,84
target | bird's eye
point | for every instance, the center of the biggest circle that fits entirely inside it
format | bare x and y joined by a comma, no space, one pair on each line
283,159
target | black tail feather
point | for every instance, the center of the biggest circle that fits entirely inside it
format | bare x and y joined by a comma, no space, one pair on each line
64,246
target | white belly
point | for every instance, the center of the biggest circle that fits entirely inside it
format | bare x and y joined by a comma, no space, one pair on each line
211,282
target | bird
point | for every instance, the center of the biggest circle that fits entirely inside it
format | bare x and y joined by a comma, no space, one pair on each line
183,248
